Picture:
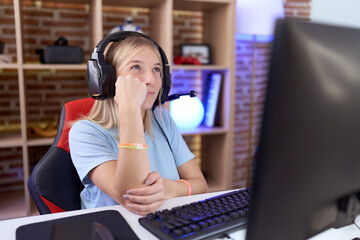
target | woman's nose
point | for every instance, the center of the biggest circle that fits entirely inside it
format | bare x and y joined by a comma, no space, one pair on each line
148,77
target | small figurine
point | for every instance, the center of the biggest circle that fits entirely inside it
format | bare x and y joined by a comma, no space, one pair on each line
128,26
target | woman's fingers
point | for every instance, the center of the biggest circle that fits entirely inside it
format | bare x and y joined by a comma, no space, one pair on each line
145,199
155,186
142,209
144,191
130,90
152,177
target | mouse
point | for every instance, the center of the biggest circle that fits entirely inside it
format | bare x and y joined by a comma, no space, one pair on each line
100,232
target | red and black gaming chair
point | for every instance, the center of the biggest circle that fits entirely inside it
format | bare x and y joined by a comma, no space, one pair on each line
54,183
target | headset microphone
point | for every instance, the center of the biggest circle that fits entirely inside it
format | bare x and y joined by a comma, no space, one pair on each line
178,95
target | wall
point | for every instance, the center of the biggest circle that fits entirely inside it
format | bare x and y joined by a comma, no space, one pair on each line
246,139
297,9
43,23
344,13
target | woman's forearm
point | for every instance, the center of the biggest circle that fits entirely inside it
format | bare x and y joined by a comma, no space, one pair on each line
133,165
179,188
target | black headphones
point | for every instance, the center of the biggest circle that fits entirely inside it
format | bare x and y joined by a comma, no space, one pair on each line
101,75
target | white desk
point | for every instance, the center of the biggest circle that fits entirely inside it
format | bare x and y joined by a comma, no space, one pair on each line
8,227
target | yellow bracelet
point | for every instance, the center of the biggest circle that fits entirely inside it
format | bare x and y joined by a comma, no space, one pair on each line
133,146
188,185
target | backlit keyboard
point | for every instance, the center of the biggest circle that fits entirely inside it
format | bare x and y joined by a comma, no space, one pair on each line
209,218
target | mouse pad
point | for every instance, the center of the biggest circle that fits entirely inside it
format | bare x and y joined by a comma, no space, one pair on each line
77,227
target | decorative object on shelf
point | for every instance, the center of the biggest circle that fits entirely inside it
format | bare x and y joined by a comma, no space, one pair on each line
186,60
196,50
1,47
3,57
256,18
211,98
60,52
7,127
187,112
128,26
48,129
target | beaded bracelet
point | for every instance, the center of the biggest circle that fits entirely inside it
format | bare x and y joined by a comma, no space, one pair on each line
188,185
133,146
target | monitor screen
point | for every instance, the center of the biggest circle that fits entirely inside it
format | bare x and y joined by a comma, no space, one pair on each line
307,176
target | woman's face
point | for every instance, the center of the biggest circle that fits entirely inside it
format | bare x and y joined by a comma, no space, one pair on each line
145,66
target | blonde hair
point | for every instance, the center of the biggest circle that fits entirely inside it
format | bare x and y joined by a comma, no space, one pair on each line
104,112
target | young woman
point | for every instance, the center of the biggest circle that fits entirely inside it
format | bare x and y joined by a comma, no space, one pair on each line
124,152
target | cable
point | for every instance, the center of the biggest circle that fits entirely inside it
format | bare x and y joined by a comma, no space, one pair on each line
356,224
167,140
226,235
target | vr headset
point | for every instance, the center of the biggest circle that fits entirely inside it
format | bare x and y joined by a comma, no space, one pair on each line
101,75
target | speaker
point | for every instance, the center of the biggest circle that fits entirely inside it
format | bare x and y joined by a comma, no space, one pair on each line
101,75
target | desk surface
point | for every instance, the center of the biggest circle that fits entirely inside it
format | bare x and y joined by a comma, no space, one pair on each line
8,227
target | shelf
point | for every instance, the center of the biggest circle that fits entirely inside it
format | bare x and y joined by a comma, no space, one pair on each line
10,139
199,67
9,66
13,139
40,142
203,131
69,1
200,5
132,3
55,66
124,3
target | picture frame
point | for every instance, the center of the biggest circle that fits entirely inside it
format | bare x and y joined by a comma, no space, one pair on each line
199,51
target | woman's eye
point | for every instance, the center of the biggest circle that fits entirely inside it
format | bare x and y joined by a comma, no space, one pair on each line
157,69
136,67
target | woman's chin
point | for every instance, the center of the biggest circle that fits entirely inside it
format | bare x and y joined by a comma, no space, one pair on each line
148,103
146,106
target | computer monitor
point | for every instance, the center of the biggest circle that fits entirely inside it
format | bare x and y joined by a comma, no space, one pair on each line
307,176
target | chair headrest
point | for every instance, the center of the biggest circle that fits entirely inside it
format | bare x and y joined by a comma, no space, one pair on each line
71,111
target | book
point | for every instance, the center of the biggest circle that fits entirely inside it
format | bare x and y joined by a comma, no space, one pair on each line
211,98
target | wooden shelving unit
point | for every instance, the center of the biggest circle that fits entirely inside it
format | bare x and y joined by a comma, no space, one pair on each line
219,32
54,66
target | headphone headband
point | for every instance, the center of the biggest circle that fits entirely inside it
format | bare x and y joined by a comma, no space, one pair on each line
101,75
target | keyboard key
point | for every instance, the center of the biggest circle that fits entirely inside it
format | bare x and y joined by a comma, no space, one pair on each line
218,220
162,217
198,218
234,215
225,218
150,216
211,222
203,224
186,230
194,227
177,233
167,227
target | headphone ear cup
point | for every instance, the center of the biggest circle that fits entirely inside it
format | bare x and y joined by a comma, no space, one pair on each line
93,79
167,84
111,77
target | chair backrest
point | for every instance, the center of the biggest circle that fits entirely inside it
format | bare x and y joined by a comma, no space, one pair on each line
54,183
